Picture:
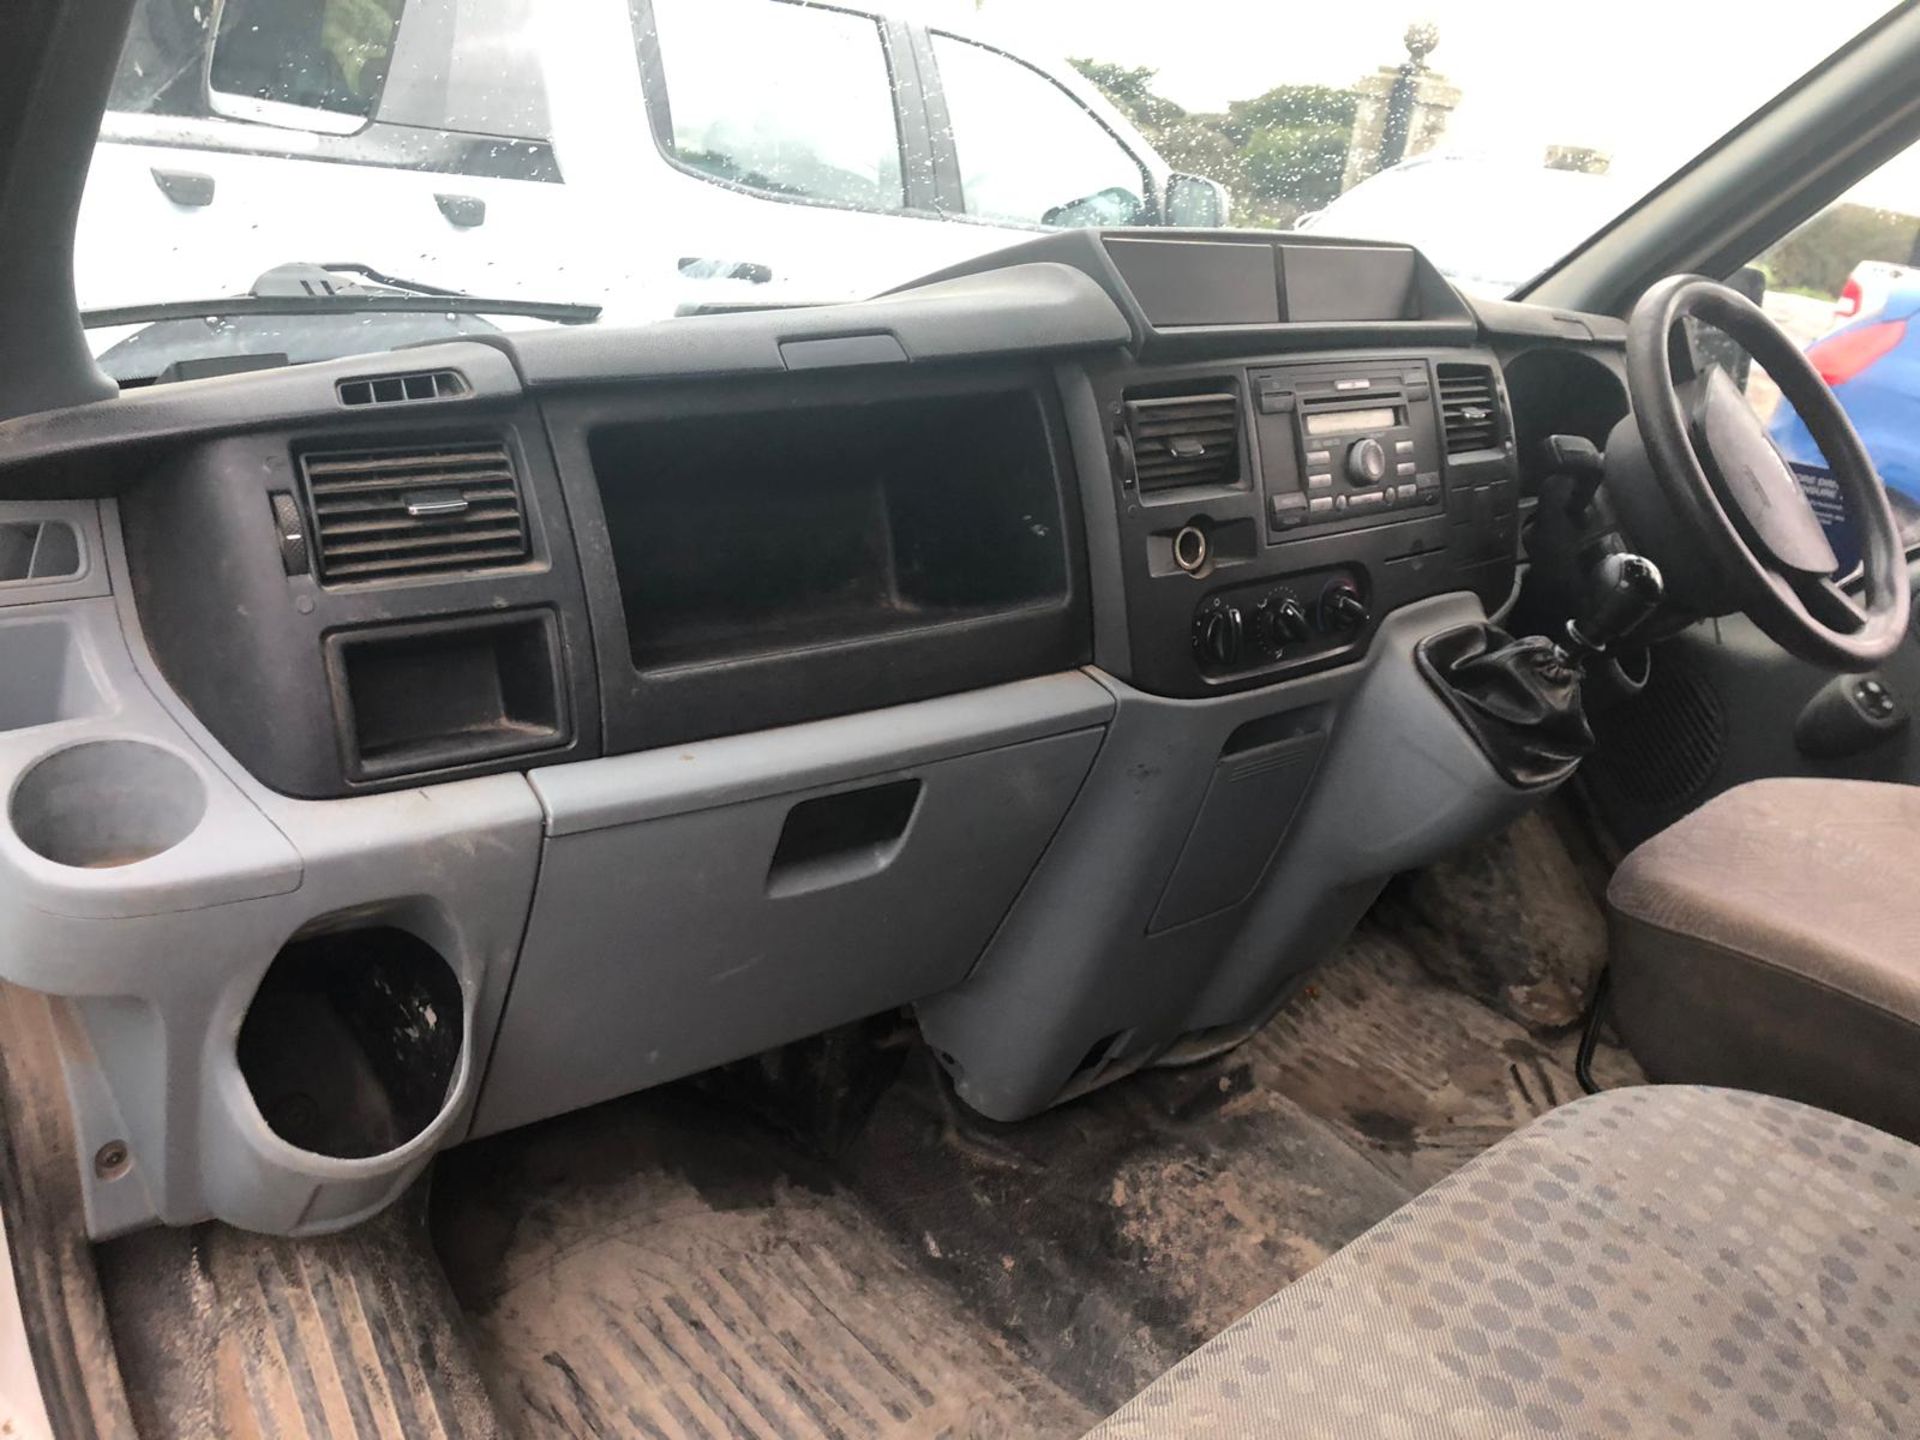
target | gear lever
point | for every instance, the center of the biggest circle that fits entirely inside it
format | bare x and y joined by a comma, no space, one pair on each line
1626,590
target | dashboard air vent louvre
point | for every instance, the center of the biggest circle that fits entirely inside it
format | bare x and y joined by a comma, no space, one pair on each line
380,514
400,389
1469,408
1183,440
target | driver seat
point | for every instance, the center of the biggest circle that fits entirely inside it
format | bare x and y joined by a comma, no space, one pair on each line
1771,941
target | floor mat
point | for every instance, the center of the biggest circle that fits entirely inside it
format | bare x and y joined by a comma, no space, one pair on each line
1410,1071
660,1267
663,1266
221,1332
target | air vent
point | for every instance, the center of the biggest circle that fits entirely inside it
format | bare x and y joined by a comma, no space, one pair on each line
378,514
1469,408
1185,440
402,389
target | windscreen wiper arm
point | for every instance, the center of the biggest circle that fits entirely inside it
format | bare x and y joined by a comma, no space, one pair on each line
331,290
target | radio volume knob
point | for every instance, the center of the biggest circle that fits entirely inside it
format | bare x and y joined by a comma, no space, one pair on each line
1367,462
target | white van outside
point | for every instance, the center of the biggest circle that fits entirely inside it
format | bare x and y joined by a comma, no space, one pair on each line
643,155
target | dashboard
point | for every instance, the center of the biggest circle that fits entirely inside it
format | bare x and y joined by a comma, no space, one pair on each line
1030,646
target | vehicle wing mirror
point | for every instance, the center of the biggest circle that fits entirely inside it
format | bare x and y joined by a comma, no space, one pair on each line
1197,202
1714,347
1750,281
1112,206
319,66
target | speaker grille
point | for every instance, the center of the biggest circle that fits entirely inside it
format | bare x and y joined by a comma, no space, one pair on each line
1659,750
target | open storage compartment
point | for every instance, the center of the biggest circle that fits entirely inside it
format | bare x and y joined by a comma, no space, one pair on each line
352,1042
421,697
44,676
745,534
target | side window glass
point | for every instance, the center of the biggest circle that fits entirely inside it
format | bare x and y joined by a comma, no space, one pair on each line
162,67
788,99
1846,286
326,59
1030,154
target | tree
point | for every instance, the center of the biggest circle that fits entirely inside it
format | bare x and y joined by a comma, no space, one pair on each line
1130,88
1280,154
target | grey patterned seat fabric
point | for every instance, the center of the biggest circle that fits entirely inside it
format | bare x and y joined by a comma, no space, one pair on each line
1667,1260
1771,941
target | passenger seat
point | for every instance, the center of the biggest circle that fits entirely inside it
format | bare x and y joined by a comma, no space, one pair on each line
1665,1260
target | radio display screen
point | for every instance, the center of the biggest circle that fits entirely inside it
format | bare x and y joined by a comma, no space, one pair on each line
1351,422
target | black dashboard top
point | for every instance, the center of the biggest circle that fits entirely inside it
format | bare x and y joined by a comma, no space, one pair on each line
1205,462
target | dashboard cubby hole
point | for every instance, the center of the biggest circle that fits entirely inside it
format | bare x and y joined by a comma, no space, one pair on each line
352,1041
746,534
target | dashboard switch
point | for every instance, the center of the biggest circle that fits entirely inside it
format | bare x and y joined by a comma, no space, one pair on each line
1278,622
291,526
1288,511
1342,611
1219,635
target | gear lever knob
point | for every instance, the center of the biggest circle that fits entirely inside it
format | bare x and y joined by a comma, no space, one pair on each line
1626,590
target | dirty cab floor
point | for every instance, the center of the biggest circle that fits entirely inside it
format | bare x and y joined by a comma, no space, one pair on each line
825,1243
661,1266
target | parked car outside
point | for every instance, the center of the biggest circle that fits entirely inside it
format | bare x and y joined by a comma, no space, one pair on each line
1873,365
642,156
1868,287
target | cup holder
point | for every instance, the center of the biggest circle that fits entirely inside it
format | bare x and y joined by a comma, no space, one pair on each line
352,1042
107,803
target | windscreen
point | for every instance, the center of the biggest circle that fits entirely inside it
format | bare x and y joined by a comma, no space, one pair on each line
664,156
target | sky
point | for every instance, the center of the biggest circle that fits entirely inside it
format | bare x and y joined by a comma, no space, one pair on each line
1650,85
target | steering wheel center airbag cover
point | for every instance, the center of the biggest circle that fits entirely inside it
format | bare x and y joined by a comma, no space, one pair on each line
1763,497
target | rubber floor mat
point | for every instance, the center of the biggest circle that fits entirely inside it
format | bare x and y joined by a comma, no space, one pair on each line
659,1267
222,1332
1417,1075
667,1266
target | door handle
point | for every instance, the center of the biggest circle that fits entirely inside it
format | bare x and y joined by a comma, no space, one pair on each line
463,211
184,187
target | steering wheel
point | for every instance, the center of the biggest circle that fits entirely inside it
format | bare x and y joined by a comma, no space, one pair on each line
1737,505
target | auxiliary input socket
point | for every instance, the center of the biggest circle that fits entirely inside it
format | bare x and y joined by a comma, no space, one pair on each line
1190,548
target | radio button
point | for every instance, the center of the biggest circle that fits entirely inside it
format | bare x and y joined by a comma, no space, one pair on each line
1287,511
1317,458
1406,491
1403,447
1366,500
1367,462
1319,482
1320,505
1405,467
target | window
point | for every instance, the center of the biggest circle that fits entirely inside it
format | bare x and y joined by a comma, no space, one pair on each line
790,99
329,55
1846,286
1031,154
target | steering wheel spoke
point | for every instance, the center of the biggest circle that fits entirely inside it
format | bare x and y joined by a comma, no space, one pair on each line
1828,603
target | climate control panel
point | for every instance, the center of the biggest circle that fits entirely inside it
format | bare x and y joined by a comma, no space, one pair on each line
1272,622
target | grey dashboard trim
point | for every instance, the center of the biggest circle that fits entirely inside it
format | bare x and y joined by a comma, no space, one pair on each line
1022,309
652,784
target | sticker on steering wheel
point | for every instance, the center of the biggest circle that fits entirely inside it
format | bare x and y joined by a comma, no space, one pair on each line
1824,495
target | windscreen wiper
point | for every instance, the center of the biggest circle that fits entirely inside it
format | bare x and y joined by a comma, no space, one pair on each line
301,289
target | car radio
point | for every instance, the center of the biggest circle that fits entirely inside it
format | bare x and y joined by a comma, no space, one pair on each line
1345,445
